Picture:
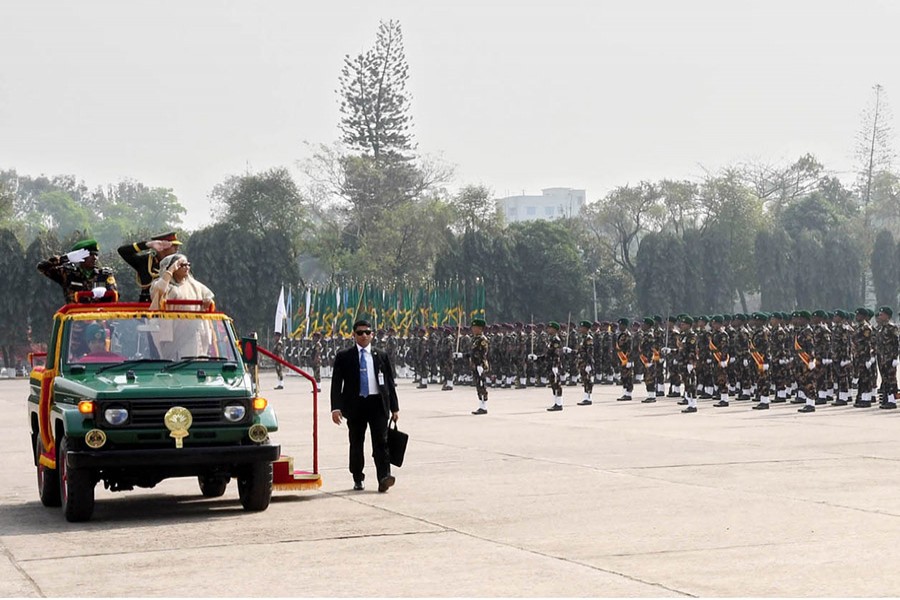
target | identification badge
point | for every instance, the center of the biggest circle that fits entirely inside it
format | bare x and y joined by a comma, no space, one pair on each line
381,379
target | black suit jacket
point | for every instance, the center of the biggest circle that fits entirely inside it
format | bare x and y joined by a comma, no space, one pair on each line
345,381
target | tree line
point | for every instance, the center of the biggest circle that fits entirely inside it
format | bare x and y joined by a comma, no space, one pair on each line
371,206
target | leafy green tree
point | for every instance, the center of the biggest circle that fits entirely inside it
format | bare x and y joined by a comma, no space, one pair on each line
475,210
245,275
884,269
775,269
263,202
692,273
809,275
41,295
683,209
13,312
650,281
841,268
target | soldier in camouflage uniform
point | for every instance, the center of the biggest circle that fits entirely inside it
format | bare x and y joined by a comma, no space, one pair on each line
842,356
447,348
316,356
805,350
743,361
887,348
624,349
278,350
480,365
421,358
719,346
670,350
704,359
553,363
760,349
570,356
822,334
77,271
637,371
531,366
541,340
780,356
520,354
584,360
687,362
660,371
649,357
864,358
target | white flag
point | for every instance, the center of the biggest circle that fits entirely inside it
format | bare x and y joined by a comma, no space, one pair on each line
280,313
308,307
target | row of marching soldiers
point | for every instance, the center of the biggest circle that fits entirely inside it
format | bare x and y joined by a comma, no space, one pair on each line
801,357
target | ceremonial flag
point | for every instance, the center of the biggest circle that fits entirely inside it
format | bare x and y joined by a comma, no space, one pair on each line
280,312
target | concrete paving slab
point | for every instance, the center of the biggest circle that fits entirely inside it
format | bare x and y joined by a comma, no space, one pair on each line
615,499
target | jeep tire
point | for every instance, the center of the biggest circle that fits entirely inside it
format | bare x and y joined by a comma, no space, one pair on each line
76,488
47,478
255,486
212,486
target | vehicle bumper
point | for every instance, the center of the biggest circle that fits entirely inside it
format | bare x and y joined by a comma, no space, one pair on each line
173,457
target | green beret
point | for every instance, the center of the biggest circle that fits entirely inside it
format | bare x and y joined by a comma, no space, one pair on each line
718,319
587,324
886,310
649,321
702,318
686,319
657,318
820,313
740,317
553,325
727,317
89,245
94,331
672,319
623,321
862,311
478,322
870,313
803,314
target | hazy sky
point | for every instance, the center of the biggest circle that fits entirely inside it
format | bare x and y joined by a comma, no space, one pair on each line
517,95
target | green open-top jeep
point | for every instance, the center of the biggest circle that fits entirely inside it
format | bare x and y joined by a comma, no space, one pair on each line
130,397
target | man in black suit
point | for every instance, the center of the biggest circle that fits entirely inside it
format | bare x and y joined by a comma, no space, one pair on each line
363,392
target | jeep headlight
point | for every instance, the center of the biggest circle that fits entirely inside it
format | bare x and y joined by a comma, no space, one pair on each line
235,412
116,415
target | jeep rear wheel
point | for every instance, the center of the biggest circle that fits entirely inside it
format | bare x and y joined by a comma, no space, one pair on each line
211,486
47,478
255,486
76,488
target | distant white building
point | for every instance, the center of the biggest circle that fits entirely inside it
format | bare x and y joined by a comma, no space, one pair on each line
553,203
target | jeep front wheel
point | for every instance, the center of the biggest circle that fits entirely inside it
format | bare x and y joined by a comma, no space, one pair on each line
47,478
255,486
76,488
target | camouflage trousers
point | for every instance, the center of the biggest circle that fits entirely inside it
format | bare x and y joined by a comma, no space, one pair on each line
555,382
888,372
587,379
627,378
480,382
650,371
866,375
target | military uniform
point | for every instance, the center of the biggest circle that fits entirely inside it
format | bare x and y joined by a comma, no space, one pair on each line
886,350
478,360
687,362
81,276
623,345
145,261
719,346
584,361
553,363
649,357
842,356
864,358
760,354
278,350
805,351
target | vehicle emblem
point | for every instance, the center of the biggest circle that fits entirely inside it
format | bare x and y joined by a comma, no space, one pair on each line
178,420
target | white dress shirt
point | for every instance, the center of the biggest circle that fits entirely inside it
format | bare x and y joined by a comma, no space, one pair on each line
370,369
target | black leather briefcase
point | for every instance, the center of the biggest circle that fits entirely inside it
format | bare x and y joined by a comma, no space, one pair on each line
397,441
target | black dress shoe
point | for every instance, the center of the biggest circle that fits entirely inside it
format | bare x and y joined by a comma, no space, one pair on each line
673,395
721,403
682,402
359,486
798,401
585,403
807,408
554,408
888,405
821,401
648,400
690,409
385,483
862,404
623,398
480,411
839,403
761,406
777,400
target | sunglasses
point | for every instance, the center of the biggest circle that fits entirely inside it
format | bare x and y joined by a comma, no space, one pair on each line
363,332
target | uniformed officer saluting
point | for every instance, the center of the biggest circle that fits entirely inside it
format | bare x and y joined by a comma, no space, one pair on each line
77,271
144,258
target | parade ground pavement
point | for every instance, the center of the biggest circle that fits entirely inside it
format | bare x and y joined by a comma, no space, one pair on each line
614,499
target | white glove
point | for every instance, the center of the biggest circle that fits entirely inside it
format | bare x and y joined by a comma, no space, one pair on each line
870,362
894,362
690,368
480,370
845,363
746,362
665,351
765,366
587,368
812,364
567,350
555,370
782,361
731,361
99,291
709,361
457,355
532,357
628,365
826,361
77,256
723,363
